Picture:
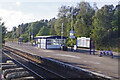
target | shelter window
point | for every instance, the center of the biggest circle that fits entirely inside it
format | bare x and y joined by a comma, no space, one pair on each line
49,42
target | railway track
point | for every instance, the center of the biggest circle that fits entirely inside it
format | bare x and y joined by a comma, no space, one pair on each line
46,69
41,72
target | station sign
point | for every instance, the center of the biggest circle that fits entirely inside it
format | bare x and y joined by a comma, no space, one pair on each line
72,34
83,42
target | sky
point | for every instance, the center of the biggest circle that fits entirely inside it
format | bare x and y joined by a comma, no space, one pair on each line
15,12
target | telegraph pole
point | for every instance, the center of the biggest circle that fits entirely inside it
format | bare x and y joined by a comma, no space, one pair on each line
72,29
29,36
13,35
32,33
20,30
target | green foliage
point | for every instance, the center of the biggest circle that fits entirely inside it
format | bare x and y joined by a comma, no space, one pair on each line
25,37
58,26
51,24
43,31
101,25
9,34
3,29
37,26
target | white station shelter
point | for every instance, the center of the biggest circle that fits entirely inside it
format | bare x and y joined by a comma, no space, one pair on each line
50,42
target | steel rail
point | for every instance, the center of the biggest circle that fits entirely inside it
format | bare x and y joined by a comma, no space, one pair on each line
28,60
24,66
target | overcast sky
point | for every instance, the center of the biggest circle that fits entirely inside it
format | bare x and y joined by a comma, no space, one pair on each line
15,12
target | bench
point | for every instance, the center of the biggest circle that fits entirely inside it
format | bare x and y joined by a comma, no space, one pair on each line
106,53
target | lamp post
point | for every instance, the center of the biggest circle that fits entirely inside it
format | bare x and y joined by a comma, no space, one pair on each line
72,32
108,37
72,27
32,33
29,36
13,35
62,35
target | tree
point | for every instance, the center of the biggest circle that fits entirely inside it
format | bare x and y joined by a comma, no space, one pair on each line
63,11
46,21
9,35
63,17
25,37
43,31
3,30
102,26
83,21
99,24
52,27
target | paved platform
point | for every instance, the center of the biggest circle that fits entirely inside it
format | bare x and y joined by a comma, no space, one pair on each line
103,65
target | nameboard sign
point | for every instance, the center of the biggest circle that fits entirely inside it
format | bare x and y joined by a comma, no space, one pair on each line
83,42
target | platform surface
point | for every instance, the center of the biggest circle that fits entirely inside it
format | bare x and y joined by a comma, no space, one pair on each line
103,65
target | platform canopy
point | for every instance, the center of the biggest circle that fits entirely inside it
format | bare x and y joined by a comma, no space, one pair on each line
50,37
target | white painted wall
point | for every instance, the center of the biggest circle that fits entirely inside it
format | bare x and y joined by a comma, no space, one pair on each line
39,43
43,43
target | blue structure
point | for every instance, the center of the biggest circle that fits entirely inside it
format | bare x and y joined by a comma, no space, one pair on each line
20,40
110,53
93,47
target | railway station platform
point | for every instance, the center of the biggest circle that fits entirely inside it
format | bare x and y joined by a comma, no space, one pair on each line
103,65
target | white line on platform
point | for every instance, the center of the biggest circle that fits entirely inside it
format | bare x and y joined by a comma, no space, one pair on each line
85,61
94,62
47,51
67,55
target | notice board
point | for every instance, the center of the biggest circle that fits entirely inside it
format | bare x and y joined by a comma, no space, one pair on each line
83,42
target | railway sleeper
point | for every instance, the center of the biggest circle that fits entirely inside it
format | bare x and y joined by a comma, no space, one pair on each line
17,75
25,78
7,71
8,66
5,64
10,71
9,62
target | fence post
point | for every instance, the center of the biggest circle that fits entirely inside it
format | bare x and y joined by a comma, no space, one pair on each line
93,47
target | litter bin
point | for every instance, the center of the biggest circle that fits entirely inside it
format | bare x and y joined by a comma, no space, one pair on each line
75,47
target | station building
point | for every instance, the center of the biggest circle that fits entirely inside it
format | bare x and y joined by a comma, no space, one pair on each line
50,42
